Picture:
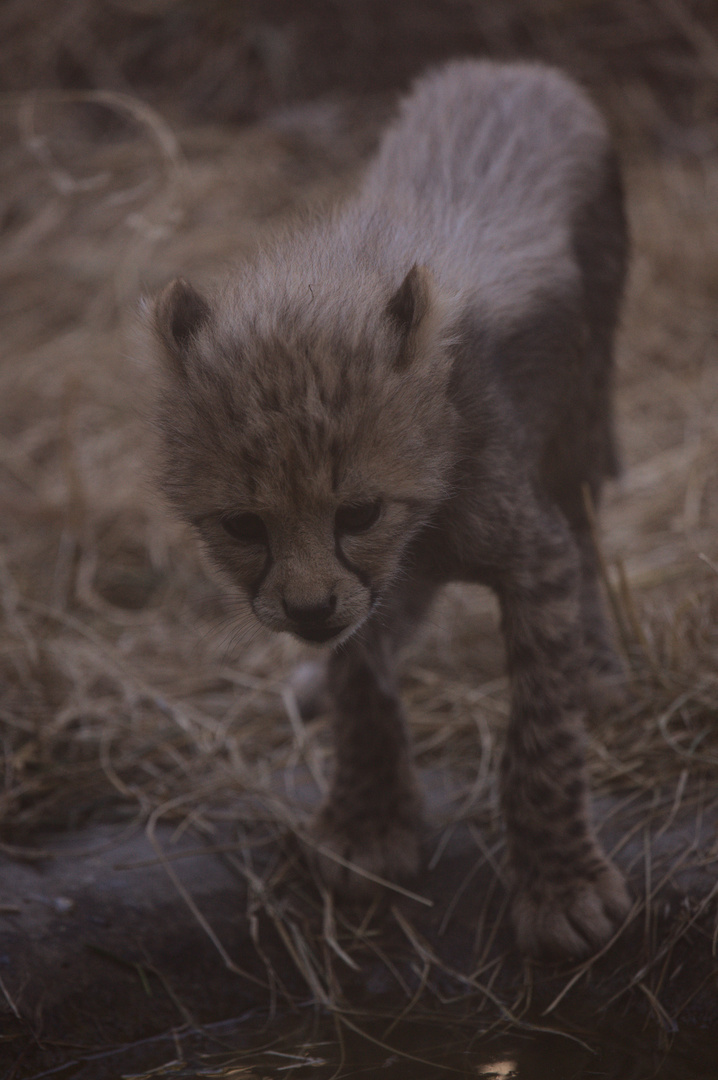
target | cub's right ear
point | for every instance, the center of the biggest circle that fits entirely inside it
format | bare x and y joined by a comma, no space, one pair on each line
179,313
408,309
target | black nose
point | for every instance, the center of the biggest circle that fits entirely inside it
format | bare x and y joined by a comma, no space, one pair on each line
311,615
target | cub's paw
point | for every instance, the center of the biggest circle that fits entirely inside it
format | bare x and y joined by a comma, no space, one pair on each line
347,853
571,918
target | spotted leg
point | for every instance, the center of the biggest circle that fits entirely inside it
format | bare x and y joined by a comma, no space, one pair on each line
567,896
372,815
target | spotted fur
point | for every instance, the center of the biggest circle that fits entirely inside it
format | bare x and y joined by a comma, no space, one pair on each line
415,389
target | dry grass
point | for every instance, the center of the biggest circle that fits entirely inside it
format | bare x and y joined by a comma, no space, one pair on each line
123,688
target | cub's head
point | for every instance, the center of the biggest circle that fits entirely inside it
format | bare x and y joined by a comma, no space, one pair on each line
308,447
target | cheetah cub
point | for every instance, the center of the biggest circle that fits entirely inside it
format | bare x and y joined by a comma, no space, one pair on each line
414,390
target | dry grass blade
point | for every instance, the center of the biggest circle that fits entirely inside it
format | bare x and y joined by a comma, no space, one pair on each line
329,930
393,1050
392,886
190,902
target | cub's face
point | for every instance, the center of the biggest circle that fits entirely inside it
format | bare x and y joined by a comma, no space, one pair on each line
307,468
319,570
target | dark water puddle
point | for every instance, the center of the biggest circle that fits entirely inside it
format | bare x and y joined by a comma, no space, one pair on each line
325,1048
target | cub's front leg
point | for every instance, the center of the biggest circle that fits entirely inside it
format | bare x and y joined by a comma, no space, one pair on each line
568,898
372,815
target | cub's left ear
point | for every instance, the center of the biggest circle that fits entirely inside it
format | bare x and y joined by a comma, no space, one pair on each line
179,313
408,310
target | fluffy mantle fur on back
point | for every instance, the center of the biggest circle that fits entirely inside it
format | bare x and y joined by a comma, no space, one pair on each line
415,389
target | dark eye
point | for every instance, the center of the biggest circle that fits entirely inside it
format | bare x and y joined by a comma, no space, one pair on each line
246,528
357,518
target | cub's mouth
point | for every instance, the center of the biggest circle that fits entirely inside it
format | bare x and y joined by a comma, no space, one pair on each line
318,635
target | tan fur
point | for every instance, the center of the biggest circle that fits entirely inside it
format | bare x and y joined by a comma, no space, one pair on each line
414,390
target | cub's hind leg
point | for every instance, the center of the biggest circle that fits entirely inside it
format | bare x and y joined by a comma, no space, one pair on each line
585,452
369,824
577,459
606,682
604,666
